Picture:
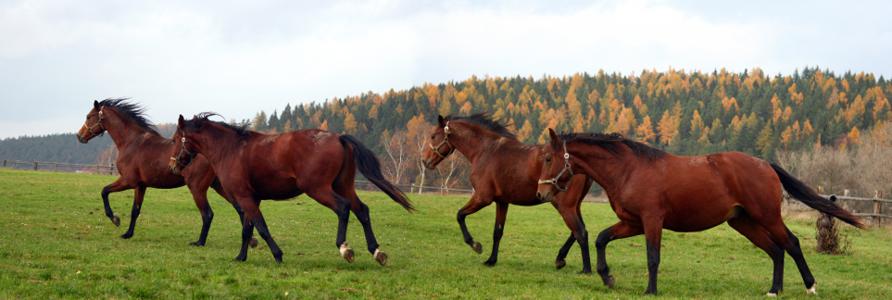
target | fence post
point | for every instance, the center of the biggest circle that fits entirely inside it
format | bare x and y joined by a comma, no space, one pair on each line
4,163
877,209
35,165
111,169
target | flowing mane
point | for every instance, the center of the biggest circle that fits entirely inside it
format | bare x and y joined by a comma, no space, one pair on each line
610,141
132,111
486,121
241,130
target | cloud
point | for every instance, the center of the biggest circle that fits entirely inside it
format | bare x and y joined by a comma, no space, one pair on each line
237,58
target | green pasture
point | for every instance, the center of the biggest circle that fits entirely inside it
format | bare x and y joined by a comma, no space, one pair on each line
56,243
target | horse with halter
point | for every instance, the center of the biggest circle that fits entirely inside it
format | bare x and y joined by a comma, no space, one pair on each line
504,171
650,190
253,166
142,160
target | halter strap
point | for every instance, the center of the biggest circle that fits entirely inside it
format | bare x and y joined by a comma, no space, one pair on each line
445,141
97,124
567,169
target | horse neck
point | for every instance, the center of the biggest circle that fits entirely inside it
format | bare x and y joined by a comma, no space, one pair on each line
223,142
122,130
609,170
472,142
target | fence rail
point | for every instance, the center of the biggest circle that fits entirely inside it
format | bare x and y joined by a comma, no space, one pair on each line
872,209
59,167
112,170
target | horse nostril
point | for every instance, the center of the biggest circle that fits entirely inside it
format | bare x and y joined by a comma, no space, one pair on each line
539,195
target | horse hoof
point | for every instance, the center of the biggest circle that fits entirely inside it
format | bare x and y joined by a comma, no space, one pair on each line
346,252
560,264
241,258
812,290
771,295
278,258
127,235
252,243
585,272
609,281
381,257
477,247
197,244
117,221
490,262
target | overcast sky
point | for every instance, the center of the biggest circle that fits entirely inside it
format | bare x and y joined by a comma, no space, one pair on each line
238,57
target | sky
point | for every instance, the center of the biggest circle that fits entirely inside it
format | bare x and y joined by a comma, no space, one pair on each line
239,57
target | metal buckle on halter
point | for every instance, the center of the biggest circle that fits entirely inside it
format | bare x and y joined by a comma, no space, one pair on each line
445,141
567,169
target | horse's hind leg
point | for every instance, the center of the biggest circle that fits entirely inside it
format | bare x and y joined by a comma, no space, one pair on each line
139,193
362,214
326,196
760,237
498,229
475,204
617,231
782,236
796,252
116,186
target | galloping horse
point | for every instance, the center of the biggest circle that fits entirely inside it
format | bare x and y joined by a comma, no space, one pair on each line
142,161
252,166
650,190
504,171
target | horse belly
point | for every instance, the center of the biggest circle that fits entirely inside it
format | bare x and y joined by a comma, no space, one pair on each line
277,189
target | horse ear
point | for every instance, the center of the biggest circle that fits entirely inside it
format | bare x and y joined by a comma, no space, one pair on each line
441,120
555,140
95,104
180,121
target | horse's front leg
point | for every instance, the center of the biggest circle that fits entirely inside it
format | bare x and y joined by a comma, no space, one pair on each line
617,231
116,186
501,214
653,232
139,193
476,203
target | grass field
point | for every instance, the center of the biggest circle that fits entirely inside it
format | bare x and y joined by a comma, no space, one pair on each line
58,244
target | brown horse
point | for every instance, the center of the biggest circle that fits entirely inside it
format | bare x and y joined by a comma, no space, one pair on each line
650,190
142,161
253,166
504,171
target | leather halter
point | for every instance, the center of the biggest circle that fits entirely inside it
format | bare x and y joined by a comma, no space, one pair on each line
183,150
97,124
445,141
567,169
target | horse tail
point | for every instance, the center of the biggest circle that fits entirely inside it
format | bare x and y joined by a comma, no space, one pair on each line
797,189
369,166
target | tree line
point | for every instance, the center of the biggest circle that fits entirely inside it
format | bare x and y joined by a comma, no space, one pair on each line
679,111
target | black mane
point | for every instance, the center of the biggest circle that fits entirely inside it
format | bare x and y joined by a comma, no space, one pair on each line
610,141
484,119
131,111
241,130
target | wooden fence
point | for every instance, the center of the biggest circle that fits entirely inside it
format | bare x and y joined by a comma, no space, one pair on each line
873,210
59,167
112,170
